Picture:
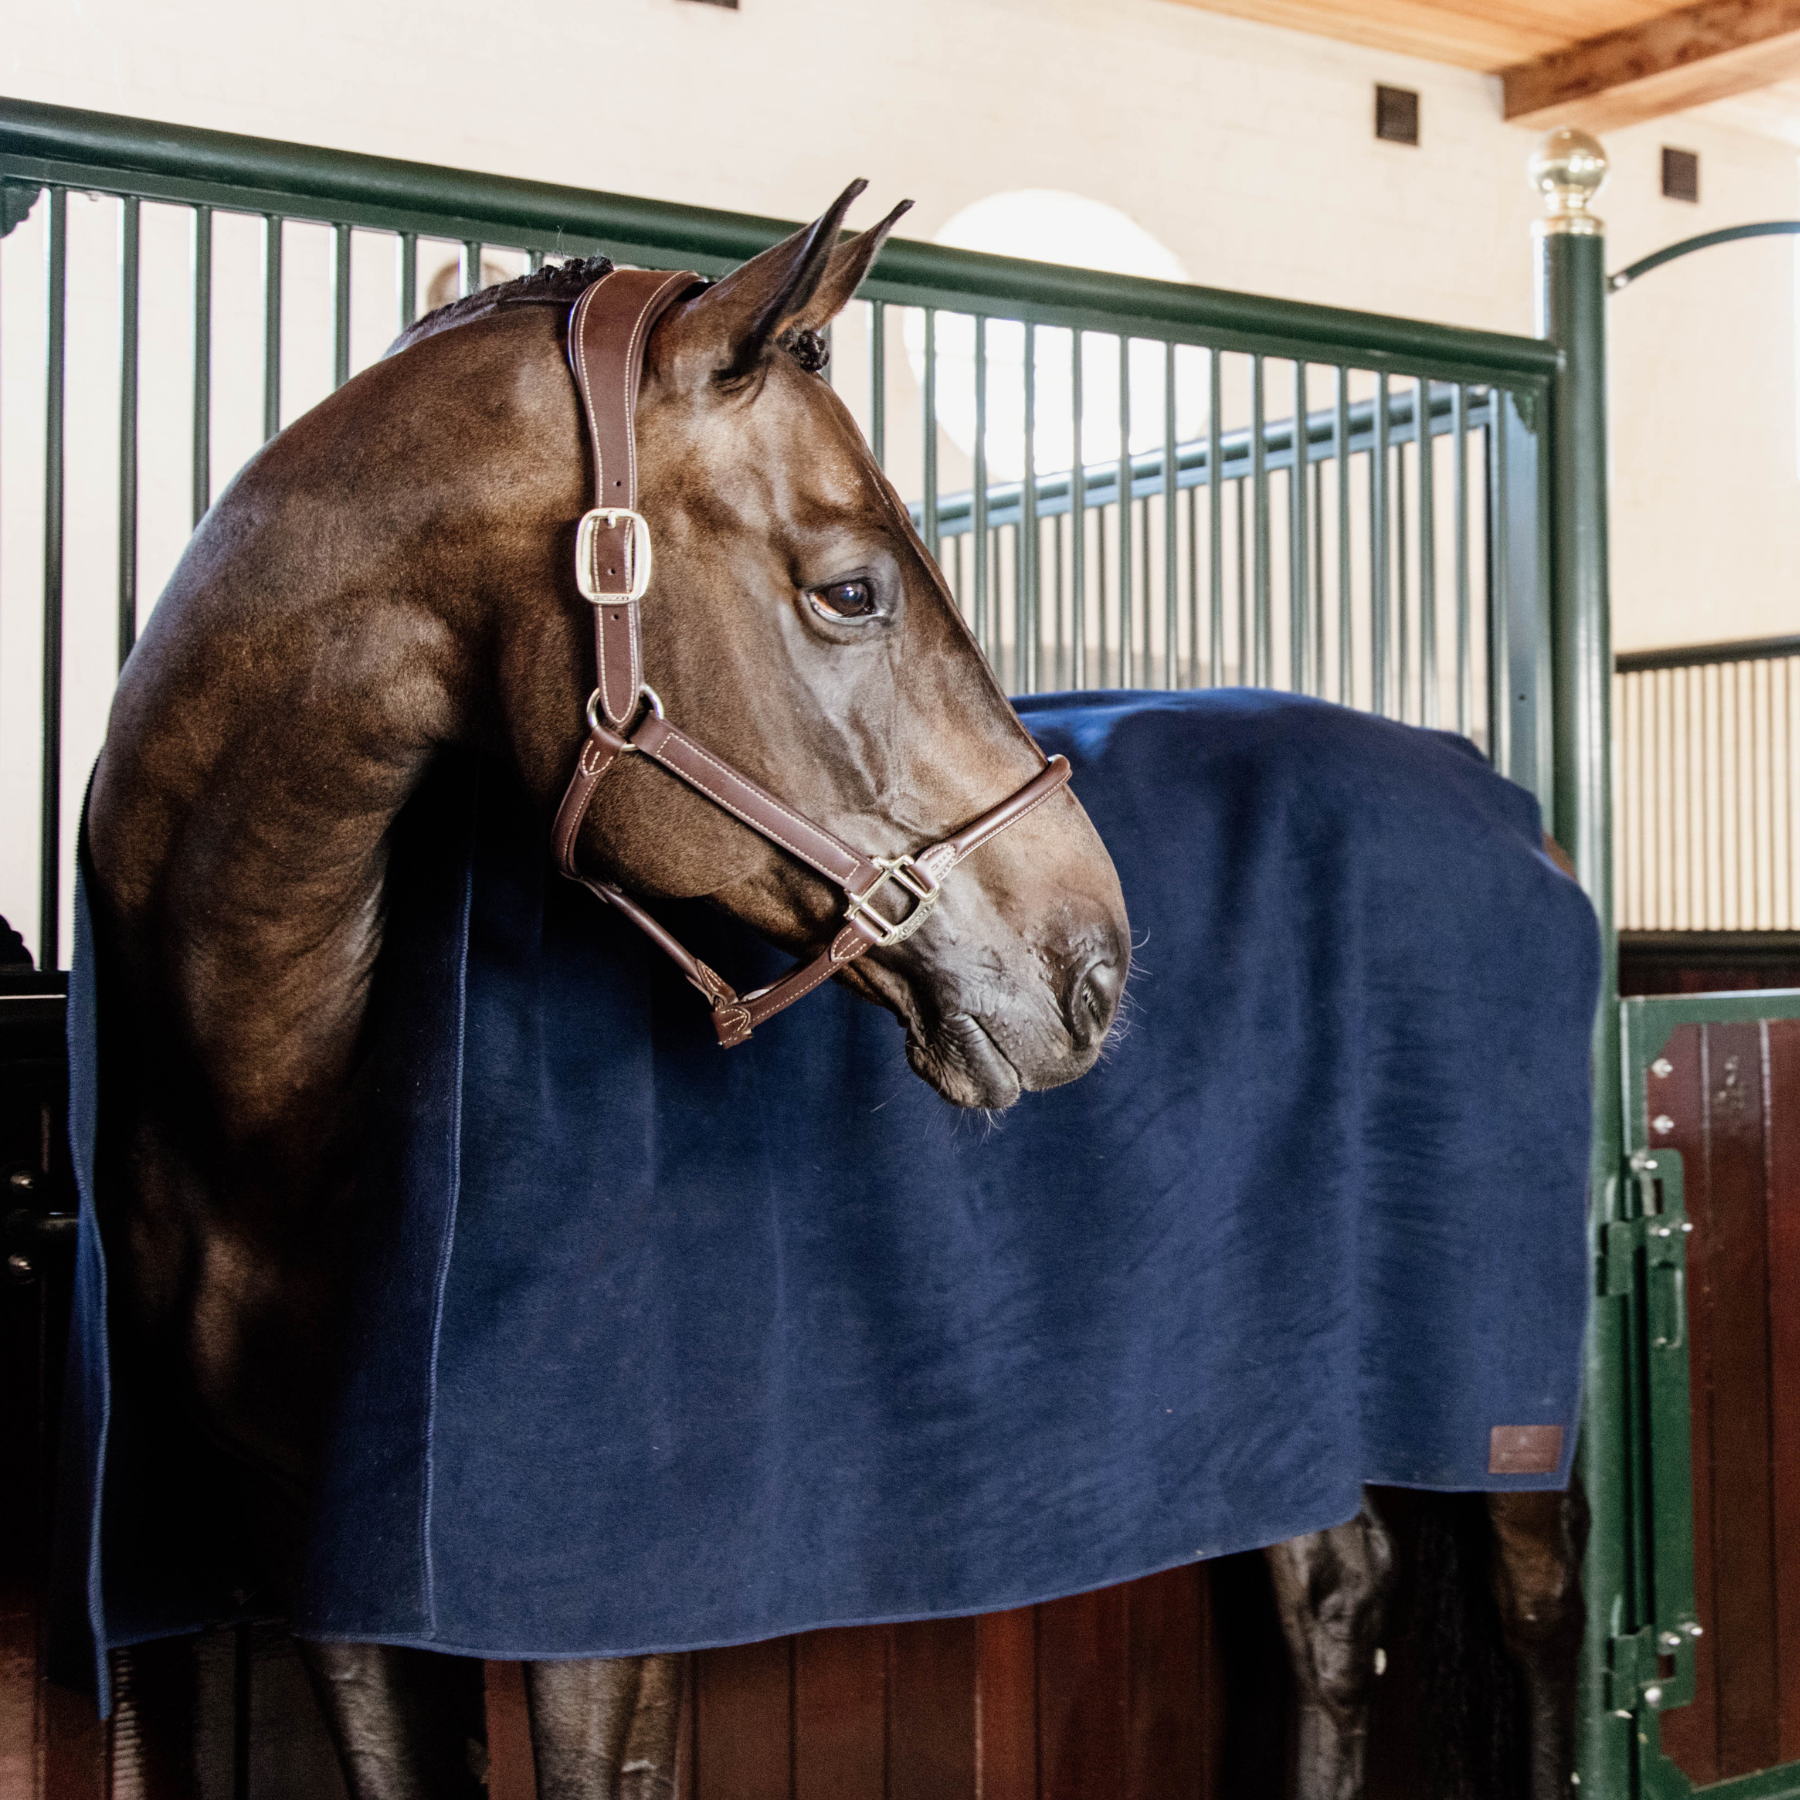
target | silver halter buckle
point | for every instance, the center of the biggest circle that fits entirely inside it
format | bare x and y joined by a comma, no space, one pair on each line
912,880
584,553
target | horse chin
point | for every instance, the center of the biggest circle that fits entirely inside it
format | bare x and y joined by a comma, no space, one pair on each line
964,1063
975,1061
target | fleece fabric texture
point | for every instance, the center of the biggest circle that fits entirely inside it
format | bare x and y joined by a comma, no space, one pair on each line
661,1346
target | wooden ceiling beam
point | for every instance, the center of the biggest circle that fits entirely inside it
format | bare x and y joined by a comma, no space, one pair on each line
1485,36
1667,64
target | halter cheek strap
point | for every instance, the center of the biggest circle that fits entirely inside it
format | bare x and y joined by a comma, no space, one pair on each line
608,329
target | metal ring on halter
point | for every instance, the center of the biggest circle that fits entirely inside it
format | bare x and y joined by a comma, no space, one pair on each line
646,692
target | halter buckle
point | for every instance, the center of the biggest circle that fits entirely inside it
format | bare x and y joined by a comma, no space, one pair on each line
912,880
611,517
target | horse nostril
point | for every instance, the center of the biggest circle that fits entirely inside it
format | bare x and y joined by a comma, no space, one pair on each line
1094,998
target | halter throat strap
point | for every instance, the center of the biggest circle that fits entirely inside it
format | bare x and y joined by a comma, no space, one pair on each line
608,331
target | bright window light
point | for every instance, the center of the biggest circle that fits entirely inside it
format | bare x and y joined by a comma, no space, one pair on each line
1045,225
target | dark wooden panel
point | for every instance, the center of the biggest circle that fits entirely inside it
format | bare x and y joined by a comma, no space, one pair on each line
72,1746
1166,1726
153,1735
1209,1702
1743,1528
1707,962
931,1711
1255,1706
512,1772
1781,1106
686,1733
840,1715
1084,1696
52,1744
743,1705
1690,1735
1006,1676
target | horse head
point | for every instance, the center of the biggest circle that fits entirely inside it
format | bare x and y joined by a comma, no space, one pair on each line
797,626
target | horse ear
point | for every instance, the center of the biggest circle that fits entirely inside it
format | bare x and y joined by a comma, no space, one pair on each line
844,274
728,330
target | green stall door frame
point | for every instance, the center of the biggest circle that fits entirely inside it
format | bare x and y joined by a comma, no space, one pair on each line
1642,1622
1635,1459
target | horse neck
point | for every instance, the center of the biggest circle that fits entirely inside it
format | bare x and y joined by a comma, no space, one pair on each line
240,843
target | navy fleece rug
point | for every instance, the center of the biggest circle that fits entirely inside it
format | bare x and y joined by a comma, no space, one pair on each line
663,1346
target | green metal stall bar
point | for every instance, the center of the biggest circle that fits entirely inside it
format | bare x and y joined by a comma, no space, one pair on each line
1357,557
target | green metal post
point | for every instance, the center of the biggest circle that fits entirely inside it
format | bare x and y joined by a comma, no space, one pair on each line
1569,168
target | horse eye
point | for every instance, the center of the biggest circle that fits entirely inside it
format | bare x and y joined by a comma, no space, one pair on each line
845,599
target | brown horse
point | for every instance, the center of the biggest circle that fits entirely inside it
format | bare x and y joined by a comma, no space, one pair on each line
389,579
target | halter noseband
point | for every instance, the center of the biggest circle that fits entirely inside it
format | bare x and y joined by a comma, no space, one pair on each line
608,330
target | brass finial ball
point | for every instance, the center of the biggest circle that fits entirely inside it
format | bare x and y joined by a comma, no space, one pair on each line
1568,168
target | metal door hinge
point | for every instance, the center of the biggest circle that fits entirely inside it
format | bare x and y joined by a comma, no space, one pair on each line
40,1235
1652,1667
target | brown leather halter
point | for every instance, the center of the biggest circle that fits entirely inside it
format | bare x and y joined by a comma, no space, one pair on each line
608,330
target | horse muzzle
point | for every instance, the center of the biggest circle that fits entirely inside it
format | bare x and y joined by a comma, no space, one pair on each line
983,1028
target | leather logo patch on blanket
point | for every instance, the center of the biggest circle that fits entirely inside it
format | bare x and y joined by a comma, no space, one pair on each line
1524,1449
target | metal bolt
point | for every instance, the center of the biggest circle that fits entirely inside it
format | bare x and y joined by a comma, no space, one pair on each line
1653,1696
1687,1225
1380,1660
1670,1640
1692,1629
19,1267
1663,1067
1663,1123
1661,1231
25,1180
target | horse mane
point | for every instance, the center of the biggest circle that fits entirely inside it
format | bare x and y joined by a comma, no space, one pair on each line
555,284
562,284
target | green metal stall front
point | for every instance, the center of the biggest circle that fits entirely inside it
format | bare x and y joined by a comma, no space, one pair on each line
1699,1325
1129,482
1691,1443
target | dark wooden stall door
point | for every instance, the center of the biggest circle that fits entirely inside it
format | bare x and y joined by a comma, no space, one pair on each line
1116,1695
51,1743
1730,1103
1174,1687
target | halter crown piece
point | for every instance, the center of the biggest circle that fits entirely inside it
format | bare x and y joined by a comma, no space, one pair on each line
608,329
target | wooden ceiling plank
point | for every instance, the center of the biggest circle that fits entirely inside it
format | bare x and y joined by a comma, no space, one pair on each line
1684,58
1476,40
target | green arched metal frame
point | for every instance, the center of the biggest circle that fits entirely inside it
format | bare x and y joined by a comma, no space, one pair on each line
1705,241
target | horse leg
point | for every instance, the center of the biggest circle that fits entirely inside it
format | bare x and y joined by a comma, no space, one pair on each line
408,1724
1538,1541
1332,1590
603,1728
